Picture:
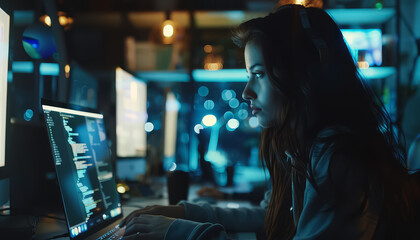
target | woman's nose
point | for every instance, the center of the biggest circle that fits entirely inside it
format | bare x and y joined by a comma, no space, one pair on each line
248,93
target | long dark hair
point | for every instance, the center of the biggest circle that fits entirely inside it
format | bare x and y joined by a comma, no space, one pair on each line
308,61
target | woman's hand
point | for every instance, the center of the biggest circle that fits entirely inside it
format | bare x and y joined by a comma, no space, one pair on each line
173,211
147,227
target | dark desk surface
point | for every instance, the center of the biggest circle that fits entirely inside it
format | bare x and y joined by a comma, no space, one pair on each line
48,227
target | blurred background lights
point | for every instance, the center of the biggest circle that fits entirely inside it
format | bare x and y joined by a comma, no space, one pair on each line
197,128
244,105
379,5
148,127
168,29
67,70
28,114
233,123
234,103
217,158
209,120
209,105
228,115
172,105
233,93
122,188
172,167
203,91
208,48
300,2
63,19
253,122
242,114
227,95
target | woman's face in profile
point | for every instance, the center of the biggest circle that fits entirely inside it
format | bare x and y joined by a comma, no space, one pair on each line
265,99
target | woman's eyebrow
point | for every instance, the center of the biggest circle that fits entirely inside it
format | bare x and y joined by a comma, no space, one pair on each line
255,65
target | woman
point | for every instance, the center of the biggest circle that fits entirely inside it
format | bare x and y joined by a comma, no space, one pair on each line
336,168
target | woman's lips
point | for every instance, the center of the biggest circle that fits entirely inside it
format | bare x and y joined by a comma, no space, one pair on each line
255,110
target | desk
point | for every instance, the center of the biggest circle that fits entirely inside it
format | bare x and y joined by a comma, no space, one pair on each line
48,227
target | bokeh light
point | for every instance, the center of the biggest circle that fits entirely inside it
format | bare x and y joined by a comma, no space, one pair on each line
234,103
228,115
148,127
209,104
28,114
208,48
168,30
233,124
253,122
172,167
209,120
227,95
244,105
197,128
242,114
203,91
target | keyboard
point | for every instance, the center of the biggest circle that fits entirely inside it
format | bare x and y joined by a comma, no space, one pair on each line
116,233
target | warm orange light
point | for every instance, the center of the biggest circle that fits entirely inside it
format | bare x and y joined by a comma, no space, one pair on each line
47,21
306,3
213,62
213,66
62,19
67,70
168,32
363,64
168,29
208,48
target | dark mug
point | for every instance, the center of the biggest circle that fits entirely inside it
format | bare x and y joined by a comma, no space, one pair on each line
230,172
178,183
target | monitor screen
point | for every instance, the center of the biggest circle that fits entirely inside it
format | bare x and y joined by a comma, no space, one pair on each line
365,45
83,165
4,55
131,104
84,88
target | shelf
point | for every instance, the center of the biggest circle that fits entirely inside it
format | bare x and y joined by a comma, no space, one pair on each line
163,76
45,69
223,75
361,16
236,75
378,72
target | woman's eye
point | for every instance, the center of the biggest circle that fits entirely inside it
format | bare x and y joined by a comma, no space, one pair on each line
259,75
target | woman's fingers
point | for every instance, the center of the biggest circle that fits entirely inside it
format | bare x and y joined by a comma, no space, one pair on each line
137,220
146,210
136,228
149,227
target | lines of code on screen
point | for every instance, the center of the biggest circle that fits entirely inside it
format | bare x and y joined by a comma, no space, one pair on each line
83,165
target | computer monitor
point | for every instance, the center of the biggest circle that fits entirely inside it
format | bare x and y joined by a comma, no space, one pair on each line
131,114
83,165
365,45
84,88
170,130
4,55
